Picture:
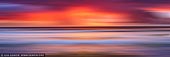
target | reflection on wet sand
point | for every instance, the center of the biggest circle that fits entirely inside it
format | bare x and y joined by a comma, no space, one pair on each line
79,42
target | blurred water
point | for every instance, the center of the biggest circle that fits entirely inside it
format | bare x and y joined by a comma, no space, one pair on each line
148,42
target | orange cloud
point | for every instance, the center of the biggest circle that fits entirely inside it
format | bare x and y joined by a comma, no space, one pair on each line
91,16
72,16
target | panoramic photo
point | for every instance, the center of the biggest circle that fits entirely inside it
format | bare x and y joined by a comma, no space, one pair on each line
84,28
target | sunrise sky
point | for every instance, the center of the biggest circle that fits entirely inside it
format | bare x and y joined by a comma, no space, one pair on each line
83,12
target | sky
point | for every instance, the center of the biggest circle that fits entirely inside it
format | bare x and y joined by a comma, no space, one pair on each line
83,12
